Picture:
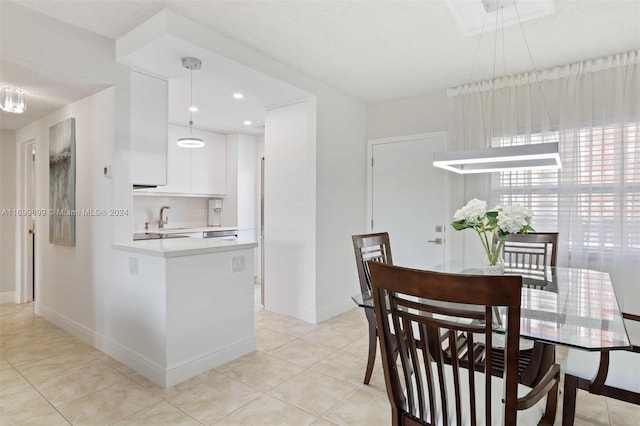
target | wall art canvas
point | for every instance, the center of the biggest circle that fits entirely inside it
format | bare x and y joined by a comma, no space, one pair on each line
62,183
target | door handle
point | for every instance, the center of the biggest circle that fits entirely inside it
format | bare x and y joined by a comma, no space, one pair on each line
436,241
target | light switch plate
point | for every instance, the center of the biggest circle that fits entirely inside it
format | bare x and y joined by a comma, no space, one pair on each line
133,265
237,264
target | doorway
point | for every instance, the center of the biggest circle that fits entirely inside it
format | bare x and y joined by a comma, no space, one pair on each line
407,197
27,222
261,231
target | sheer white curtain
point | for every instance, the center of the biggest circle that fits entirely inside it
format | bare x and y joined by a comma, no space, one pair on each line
593,109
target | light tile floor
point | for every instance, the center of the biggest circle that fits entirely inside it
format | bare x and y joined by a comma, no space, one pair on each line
302,374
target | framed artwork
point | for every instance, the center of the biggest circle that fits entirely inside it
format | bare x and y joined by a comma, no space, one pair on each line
62,183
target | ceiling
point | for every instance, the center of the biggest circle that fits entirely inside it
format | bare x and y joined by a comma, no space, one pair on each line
47,90
375,50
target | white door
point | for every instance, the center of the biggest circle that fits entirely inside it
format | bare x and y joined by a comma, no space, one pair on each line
408,198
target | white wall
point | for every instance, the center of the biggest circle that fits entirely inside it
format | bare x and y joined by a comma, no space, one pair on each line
289,198
7,222
55,45
407,116
70,280
340,201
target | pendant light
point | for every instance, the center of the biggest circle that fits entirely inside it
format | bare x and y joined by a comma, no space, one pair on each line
12,100
520,157
191,142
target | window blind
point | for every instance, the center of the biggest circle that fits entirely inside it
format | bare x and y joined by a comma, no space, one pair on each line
593,201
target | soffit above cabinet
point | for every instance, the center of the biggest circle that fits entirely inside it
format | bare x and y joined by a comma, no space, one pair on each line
213,87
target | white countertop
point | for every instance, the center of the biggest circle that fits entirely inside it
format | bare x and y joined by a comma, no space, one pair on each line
174,247
186,230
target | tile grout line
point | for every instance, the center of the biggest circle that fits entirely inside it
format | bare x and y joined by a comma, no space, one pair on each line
43,397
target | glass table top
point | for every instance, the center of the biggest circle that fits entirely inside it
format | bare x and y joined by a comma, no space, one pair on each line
561,306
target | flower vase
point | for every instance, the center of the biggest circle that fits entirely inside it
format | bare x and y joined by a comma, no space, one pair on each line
496,268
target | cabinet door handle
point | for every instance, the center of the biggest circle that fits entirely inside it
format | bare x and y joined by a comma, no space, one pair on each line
436,241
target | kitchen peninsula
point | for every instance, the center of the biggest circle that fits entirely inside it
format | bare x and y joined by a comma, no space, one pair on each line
189,305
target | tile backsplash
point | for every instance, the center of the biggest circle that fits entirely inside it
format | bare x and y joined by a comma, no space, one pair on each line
183,211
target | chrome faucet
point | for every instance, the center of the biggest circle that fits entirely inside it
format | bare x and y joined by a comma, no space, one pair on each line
163,220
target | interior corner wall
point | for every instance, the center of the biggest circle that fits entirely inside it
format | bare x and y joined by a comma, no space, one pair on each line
68,278
290,190
7,221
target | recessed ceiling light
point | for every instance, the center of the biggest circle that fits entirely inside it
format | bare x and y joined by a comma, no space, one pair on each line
238,95
193,108
247,122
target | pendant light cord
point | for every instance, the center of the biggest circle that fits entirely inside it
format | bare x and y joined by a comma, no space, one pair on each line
191,103
535,73
475,57
493,80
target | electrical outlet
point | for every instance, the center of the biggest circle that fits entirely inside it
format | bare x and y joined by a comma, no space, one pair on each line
133,265
237,264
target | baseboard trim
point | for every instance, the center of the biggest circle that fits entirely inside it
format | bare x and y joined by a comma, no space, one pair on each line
128,357
8,297
333,310
149,369
215,359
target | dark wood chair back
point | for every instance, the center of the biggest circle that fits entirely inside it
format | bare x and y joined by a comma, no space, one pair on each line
374,247
418,312
532,250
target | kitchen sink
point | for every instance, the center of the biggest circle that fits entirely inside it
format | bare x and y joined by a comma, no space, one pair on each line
155,236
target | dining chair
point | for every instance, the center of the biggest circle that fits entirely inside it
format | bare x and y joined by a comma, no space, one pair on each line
614,374
374,247
423,389
532,250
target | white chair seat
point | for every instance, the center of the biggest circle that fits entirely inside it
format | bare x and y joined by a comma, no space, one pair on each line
497,340
527,417
623,373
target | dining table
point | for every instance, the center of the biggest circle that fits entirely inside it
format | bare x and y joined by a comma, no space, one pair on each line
561,306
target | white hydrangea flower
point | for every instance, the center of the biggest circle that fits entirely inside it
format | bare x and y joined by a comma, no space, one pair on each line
513,219
473,212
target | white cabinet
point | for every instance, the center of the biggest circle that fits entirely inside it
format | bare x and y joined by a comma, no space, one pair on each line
178,177
240,204
218,164
202,164
148,129
196,171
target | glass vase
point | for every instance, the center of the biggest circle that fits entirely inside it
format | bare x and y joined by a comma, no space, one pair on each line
496,268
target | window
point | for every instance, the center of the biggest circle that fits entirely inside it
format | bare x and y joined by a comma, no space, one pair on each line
594,201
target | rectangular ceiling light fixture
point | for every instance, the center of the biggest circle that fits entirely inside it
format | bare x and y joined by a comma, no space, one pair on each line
521,157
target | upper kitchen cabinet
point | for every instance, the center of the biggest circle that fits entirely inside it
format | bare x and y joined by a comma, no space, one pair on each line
208,164
148,129
196,171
